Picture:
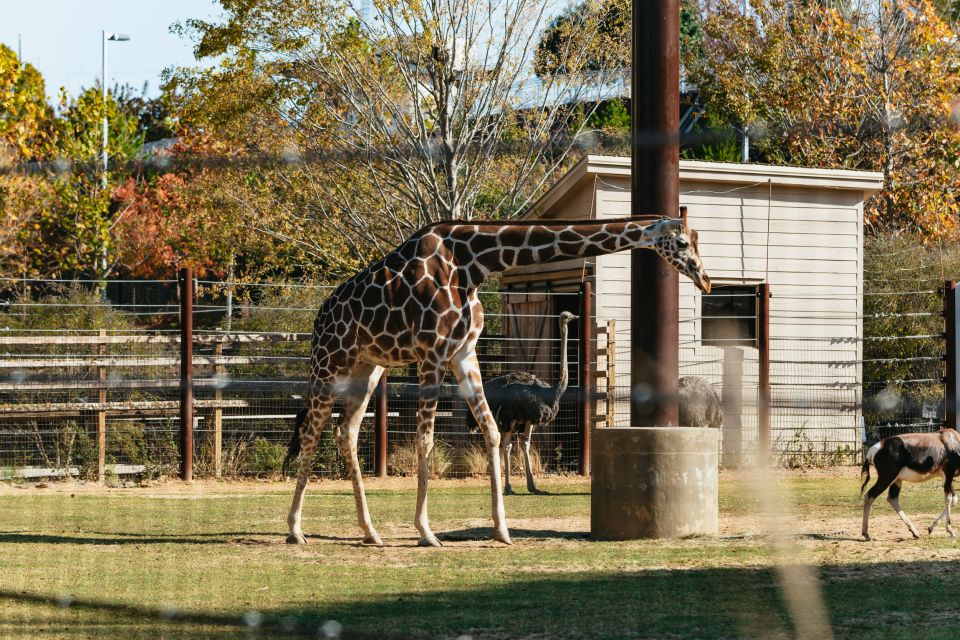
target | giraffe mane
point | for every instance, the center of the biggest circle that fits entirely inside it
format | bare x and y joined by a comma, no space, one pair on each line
526,223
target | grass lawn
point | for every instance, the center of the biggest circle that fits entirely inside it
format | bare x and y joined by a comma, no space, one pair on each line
170,561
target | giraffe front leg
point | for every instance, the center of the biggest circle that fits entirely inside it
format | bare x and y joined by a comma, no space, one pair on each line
429,395
312,427
467,370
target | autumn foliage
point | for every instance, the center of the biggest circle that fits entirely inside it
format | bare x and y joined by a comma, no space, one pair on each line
844,85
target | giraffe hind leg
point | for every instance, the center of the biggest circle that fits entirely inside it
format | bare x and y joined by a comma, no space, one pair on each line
361,385
315,421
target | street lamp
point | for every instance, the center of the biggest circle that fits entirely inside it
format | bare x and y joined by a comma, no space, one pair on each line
113,37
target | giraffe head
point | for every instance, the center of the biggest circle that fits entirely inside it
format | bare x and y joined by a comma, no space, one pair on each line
677,244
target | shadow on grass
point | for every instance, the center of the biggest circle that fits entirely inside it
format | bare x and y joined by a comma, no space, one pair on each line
882,600
483,534
120,538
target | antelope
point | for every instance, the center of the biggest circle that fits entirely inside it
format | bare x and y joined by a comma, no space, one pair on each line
914,457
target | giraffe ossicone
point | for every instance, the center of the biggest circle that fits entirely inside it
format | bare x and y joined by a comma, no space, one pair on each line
420,304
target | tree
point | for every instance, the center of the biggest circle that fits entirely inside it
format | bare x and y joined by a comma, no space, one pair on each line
389,121
610,49
72,233
841,85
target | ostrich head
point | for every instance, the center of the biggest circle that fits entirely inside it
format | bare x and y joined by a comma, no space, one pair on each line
566,318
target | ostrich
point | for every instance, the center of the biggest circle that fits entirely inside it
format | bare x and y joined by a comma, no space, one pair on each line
521,401
700,405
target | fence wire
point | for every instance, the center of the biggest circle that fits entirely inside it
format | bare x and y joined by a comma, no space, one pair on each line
89,377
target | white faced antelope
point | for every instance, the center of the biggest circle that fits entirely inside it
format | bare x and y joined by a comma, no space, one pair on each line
914,457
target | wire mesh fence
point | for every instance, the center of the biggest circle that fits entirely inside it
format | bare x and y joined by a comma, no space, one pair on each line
99,402
90,376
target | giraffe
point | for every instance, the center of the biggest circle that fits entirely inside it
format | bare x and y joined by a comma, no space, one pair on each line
420,304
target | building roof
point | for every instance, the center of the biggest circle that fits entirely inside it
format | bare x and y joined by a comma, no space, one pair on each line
592,166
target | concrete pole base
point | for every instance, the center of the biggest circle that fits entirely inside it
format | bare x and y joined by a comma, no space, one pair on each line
653,482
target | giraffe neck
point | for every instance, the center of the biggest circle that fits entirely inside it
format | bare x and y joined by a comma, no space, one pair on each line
485,249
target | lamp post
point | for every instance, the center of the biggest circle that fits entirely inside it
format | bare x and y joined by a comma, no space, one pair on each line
113,37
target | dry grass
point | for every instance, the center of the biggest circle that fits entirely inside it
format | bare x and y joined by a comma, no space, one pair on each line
403,459
473,461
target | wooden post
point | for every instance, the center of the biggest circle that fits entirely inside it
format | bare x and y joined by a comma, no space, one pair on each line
186,374
102,414
380,427
220,372
763,354
951,391
611,373
587,410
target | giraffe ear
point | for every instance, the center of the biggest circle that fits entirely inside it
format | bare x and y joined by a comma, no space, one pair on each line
683,218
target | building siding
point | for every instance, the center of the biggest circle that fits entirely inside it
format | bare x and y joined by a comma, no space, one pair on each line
806,242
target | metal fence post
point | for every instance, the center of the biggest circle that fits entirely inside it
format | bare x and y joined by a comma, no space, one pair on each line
186,373
950,334
102,412
380,428
587,410
763,355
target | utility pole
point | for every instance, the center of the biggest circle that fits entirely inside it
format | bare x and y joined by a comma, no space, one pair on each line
104,38
655,189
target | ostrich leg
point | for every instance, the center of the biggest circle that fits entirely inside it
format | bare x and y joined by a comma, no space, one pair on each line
506,448
527,437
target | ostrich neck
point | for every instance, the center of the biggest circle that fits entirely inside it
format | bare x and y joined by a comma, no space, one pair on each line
564,373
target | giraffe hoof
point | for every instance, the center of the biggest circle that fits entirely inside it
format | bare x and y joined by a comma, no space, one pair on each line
429,541
951,533
508,491
866,537
296,538
930,530
501,535
539,492
916,536
373,539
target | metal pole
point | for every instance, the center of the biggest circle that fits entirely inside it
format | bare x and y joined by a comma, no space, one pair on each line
951,391
655,188
763,354
186,374
103,103
380,427
587,411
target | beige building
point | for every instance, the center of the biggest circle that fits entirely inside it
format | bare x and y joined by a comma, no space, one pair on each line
800,230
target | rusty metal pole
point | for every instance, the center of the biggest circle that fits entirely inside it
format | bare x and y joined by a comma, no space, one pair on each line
655,188
951,390
186,374
587,410
763,354
380,428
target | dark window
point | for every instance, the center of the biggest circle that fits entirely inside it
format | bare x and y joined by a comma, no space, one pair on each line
729,315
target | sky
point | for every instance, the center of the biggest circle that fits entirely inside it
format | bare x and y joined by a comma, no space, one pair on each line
61,38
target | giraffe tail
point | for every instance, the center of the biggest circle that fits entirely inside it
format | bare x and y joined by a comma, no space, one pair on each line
293,449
